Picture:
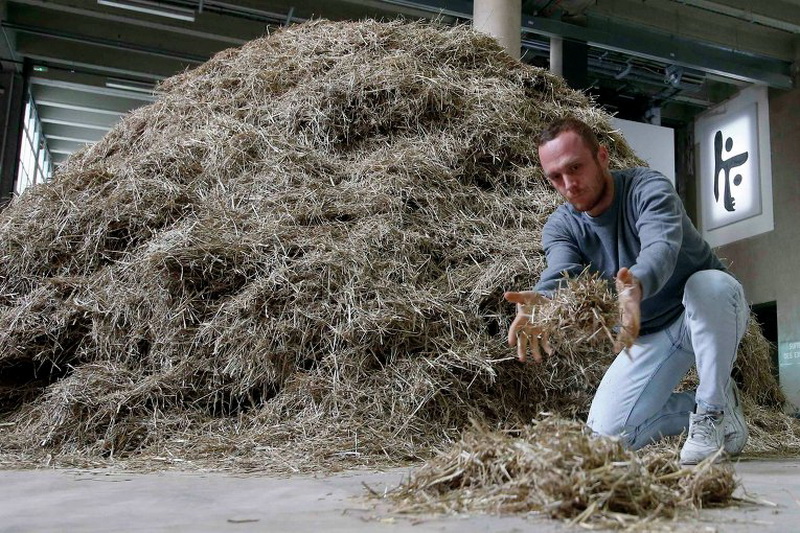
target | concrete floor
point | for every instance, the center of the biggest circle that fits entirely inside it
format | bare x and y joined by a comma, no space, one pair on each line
107,501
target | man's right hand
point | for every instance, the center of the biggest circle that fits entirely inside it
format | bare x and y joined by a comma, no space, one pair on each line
523,332
629,293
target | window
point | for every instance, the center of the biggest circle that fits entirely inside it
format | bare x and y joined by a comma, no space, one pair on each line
35,164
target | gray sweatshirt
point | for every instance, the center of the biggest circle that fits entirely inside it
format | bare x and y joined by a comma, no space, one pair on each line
645,229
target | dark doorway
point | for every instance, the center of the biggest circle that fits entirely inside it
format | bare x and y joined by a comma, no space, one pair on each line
767,315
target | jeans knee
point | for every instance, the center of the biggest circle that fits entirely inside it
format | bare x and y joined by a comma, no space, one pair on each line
612,428
709,290
627,438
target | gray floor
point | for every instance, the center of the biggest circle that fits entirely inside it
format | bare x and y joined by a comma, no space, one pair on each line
94,500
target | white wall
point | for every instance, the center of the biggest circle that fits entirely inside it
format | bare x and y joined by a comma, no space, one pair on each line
654,144
767,263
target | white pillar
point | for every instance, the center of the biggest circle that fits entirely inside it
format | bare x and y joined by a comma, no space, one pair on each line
502,19
557,55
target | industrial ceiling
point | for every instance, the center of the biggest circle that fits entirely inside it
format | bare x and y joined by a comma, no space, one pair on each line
89,62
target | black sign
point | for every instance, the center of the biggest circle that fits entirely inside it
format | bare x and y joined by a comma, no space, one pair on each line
726,165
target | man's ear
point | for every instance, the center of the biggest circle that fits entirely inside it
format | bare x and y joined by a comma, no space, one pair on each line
602,156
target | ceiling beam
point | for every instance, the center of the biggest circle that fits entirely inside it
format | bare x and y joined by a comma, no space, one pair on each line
779,14
397,8
94,59
304,9
63,131
71,117
63,146
44,105
7,45
93,89
228,30
670,49
100,103
119,35
684,21
610,34
452,8
112,44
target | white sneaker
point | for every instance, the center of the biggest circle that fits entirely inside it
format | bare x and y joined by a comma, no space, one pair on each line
706,437
734,424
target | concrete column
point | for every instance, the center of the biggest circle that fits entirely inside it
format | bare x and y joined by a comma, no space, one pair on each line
557,56
502,19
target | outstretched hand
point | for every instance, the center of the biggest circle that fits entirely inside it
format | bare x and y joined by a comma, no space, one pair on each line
629,294
523,332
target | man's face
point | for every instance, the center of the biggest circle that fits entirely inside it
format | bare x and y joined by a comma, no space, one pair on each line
581,178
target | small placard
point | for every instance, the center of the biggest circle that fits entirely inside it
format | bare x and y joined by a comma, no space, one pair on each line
789,370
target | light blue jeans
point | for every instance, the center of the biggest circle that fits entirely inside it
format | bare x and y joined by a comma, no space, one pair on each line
635,399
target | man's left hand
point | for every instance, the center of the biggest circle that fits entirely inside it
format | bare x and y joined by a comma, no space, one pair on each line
629,293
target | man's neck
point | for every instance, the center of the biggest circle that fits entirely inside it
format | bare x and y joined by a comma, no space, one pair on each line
606,199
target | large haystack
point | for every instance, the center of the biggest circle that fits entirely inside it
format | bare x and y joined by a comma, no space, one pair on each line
295,258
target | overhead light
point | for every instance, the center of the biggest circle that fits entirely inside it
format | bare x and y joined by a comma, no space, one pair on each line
673,75
151,8
129,85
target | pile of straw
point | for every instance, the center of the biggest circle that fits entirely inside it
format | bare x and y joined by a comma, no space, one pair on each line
554,468
295,259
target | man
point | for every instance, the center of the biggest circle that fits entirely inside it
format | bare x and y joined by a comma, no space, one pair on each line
679,305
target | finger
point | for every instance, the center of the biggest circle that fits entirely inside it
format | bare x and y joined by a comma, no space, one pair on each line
619,344
624,338
624,276
535,351
522,346
515,328
546,343
517,297
633,330
622,349
628,288
525,297
631,320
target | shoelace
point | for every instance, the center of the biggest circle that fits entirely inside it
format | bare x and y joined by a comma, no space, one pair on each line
703,425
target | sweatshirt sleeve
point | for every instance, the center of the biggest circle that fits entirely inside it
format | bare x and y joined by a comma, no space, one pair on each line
562,252
659,225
